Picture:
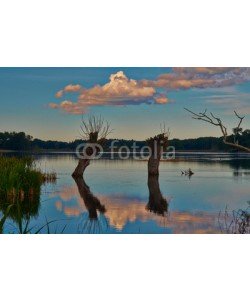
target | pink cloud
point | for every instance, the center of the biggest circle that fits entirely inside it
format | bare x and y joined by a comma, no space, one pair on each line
120,90
71,88
161,99
59,94
69,107
186,78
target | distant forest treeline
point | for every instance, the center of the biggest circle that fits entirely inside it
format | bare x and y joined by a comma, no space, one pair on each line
22,141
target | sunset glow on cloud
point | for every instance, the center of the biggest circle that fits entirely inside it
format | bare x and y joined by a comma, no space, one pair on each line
47,102
186,78
121,90
71,88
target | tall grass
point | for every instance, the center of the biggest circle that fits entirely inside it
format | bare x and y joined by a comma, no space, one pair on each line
18,179
21,181
20,189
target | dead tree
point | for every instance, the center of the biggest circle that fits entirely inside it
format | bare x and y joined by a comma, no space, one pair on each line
94,131
212,119
157,144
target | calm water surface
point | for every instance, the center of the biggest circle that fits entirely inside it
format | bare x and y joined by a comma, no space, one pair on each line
115,195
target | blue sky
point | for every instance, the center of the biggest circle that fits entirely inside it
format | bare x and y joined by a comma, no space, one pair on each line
135,108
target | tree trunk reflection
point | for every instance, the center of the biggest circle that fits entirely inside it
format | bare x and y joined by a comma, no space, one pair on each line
157,203
96,221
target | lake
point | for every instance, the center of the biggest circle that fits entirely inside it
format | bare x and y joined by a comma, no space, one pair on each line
115,196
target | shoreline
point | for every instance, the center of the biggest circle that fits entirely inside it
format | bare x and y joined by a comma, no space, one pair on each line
190,152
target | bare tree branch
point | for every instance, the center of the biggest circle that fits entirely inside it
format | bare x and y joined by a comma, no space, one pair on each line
216,121
94,129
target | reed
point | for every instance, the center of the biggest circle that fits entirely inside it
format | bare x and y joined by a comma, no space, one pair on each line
20,189
20,180
49,177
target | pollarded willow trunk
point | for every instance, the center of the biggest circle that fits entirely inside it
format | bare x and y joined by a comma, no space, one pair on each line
94,131
153,165
79,170
157,144
83,163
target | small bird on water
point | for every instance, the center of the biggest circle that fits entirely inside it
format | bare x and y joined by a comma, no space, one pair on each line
188,172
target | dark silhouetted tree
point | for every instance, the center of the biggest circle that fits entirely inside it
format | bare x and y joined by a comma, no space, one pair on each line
212,119
157,144
94,130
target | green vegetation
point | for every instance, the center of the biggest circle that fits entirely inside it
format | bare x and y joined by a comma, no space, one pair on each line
21,182
21,141
15,141
20,188
18,179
